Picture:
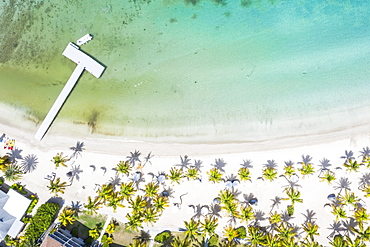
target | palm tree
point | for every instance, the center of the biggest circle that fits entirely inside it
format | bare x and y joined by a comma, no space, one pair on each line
60,160
215,175
358,242
115,201
311,229
306,169
192,173
232,209
352,166
150,215
106,240
275,218
12,173
255,236
67,216
160,203
138,204
338,212
94,233
246,214
272,240
226,196
30,243
138,243
366,189
328,176
244,174
111,228
230,233
208,227
363,233
127,190
349,198
338,241
93,206
134,222
57,186
293,195
175,175
285,231
4,162
361,216
269,173
151,190
105,192
192,228
178,242
289,169
123,167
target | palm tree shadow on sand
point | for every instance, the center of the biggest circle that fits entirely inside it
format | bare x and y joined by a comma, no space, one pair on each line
15,154
29,163
185,162
309,216
77,150
220,164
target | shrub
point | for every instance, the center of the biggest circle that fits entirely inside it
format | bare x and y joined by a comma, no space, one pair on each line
74,232
290,210
213,240
242,233
41,221
1,181
35,200
163,236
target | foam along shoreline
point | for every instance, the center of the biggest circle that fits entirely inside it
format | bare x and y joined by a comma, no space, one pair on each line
347,124
107,152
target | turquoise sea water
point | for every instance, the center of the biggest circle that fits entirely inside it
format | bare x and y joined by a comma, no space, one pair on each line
187,67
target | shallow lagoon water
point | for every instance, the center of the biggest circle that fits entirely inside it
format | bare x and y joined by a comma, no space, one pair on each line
185,68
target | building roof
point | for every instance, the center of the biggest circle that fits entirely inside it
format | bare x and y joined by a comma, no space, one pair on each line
12,208
50,242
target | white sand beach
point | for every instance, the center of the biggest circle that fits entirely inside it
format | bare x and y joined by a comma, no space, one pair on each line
103,151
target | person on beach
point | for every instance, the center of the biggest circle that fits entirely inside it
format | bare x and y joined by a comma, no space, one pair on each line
2,137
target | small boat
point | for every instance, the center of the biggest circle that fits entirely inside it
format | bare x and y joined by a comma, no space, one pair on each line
84,39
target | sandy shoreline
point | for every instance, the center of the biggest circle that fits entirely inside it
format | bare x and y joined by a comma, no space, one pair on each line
347,124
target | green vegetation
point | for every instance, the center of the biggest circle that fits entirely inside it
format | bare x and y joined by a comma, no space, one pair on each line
41,221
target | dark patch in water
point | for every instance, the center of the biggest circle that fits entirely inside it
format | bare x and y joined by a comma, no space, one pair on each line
93,118
220,2
173,20
194,16
245,3
227,14
193,2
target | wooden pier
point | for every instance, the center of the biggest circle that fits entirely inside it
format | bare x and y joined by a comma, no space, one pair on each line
84,62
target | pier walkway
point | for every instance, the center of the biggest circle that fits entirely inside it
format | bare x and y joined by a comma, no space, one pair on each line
84,62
